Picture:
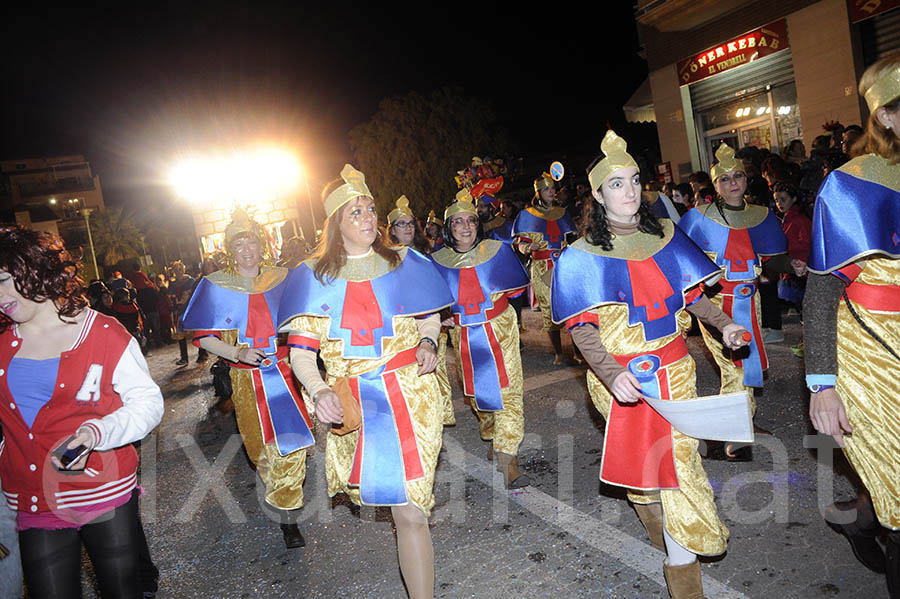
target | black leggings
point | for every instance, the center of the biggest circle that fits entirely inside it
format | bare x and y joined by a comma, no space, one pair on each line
51,559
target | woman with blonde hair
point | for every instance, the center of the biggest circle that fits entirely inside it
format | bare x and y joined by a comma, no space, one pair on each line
370,311
852,324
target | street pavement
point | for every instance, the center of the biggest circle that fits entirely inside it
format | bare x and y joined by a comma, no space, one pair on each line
565,536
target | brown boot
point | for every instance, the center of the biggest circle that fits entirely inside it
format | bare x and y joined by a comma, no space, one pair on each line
508,465
652,518
684,582
491,451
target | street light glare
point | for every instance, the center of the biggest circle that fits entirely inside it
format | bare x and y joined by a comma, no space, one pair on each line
250,177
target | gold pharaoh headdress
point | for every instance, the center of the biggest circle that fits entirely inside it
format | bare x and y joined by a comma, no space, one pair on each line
615,150
463,203
402,209
726,162
543,182
242,224
354,186
885,90
433,219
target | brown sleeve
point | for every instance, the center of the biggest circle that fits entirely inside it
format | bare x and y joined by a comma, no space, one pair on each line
601,362
706,311
820,306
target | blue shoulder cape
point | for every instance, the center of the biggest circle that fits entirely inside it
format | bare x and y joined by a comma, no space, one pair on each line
362,312
855,216
737,250
553,231
653,289
501,272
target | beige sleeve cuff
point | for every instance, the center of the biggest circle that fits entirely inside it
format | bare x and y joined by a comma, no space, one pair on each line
303,363
214,345
430,327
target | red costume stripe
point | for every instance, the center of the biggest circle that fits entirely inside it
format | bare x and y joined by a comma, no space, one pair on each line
198,335
883,298
259,321
310,342
262,408
587,317
357,456
411,461
498,355
466,359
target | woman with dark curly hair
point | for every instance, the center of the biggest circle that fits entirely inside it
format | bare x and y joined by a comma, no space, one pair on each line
75,393
622,291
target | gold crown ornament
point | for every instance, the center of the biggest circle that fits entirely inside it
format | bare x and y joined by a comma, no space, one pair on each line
615,150
726,162
354,186
885,90
433,219
543,182
402,209
462,203
241,224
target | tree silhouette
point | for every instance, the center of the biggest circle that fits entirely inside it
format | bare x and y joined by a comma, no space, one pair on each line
415,144
115,236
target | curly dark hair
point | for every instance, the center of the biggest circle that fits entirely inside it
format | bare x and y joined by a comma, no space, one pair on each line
41,269
595,226
450,240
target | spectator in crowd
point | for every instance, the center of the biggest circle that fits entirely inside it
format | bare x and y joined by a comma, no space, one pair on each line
683,197
293,252
148,302
795,152
165,308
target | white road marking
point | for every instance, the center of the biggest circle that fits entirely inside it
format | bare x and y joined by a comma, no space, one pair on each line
610,540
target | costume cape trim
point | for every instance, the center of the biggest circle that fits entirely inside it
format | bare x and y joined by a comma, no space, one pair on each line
737,250
474,277
531,220
281,411
362,312
855,217
653,289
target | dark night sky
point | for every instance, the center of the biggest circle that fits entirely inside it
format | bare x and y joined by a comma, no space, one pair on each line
131,89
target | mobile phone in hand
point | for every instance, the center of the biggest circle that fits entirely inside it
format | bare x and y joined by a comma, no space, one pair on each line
66,456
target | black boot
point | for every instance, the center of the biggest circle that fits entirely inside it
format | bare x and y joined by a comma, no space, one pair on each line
292,537
892,564
861,532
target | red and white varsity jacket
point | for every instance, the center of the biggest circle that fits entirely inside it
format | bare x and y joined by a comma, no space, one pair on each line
103,383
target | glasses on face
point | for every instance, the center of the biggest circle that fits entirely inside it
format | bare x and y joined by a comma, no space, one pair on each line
459,222
406,225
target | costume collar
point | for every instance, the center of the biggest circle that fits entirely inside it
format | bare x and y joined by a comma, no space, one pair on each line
751,215
268,277
554,213
478,255
364,268
636,246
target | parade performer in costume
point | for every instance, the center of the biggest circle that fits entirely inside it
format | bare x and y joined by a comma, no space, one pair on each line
70,377
622,291
232,314
852,322
433,228
540,231
370,311
482,274
404,230
495,225
740,238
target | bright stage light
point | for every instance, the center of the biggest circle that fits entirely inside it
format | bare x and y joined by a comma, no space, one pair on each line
253,177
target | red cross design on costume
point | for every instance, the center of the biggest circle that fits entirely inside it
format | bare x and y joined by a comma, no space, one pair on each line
469,294
553,232
739,250
362,314
649,287
259,321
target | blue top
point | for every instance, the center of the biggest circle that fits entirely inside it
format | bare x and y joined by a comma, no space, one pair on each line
31,384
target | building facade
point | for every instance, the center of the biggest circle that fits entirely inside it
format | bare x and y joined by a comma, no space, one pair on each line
756,72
